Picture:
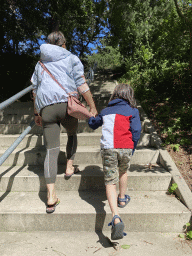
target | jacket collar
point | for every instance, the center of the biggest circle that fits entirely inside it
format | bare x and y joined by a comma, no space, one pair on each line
51,53
117,101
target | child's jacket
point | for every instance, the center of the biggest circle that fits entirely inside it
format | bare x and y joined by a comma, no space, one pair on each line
121,126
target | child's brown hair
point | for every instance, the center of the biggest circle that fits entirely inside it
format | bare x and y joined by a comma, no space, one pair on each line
125,92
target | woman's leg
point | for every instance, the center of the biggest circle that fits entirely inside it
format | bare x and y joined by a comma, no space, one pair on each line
51,194
71,124
71,149
50,173
51,130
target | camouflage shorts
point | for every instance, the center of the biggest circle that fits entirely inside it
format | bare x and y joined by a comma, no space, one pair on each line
112,159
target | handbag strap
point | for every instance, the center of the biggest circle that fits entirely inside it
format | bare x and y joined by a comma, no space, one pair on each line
46,69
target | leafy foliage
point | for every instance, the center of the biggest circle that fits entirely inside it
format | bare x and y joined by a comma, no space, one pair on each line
106,56
81,22
25,22
188,234
148,40
154,47
22,22
173,187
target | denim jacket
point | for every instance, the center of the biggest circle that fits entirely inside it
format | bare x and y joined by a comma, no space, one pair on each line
65,67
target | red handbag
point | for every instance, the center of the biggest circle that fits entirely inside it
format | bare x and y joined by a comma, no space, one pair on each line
74,107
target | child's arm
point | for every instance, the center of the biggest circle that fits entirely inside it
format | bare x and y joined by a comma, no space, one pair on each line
135,128
95,122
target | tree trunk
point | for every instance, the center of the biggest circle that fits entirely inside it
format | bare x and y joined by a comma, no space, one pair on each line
190,61
55,23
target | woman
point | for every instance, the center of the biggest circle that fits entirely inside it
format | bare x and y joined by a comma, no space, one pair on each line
50,106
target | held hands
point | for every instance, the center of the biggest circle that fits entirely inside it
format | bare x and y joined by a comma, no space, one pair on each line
94,111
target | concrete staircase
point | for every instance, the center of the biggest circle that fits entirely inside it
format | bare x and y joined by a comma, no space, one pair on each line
83,204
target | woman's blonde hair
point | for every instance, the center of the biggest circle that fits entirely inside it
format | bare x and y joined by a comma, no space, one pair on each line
56,38
125,92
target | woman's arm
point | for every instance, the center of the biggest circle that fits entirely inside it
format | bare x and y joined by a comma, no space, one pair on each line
89,99
38,118
82,86
34,81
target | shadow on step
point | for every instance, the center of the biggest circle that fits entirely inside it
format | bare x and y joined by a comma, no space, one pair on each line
11,180
14,163
96,197
152,168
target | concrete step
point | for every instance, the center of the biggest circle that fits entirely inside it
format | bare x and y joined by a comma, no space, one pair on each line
19,128
16,119
17,116
89,155
87,211
31,178
32,140
13,124
92,243
84,139
23,112
27,117
18,108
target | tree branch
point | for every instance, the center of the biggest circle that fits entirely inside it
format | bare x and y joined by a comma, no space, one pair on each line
181,15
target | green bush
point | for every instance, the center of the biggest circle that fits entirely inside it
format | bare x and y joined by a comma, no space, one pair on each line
107,58
164,79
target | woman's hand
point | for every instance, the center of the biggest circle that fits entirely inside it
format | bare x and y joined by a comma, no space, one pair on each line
94,111
38,120
89,99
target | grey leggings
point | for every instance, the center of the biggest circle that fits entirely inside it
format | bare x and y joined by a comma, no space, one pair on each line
52,117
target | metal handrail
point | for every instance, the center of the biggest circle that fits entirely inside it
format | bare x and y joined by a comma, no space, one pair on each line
17,96
16,143
90,77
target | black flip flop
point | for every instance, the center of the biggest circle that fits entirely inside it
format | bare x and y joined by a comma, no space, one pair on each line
51,208
76,170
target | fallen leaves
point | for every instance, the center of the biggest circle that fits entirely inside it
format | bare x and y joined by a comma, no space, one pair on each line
125,246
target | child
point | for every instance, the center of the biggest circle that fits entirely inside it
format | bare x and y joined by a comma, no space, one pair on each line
121,128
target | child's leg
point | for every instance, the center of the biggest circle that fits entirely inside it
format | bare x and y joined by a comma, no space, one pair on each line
122,186
124,157
111,194
111,176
